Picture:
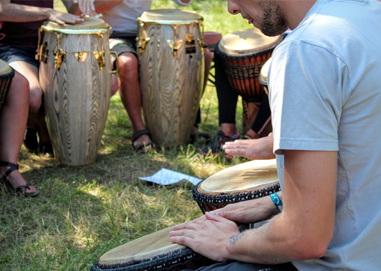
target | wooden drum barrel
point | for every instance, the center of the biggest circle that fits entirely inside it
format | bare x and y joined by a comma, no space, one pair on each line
75,75
171,59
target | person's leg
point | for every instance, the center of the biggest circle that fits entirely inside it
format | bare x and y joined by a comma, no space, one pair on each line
13,121
36,108
131,94
227,99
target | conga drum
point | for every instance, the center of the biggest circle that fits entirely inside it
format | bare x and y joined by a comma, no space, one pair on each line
246,181
6,76
75,76
151,252
244,52
171,60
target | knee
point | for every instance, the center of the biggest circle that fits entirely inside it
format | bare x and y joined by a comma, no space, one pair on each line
19,90
128,66
35,99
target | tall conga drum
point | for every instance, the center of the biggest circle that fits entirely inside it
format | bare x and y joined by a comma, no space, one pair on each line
6,76
244,52
171,59
246,181
75,76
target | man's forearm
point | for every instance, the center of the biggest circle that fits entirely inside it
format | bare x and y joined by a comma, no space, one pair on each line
21,13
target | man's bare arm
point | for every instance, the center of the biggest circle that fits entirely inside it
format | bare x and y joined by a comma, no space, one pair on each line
10,12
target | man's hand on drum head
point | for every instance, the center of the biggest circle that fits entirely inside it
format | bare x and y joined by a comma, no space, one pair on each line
252,149
62,18
87,7
208,235
249,211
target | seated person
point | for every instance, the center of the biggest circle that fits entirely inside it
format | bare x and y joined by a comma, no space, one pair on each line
13,118
121,15
227,103
22,20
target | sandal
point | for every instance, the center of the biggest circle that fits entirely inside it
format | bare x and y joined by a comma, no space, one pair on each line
8,185
144,147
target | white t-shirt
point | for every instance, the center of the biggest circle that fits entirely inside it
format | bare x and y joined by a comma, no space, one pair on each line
122,17
325,95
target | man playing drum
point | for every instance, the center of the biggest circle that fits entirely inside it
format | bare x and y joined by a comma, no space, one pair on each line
22,20
324,90
121,15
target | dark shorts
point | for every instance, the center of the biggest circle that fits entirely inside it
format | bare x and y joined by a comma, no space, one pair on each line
11,54
120,43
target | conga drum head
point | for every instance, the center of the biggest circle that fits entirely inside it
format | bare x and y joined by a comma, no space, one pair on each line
247,41
151,252
90,25
169,16
242,182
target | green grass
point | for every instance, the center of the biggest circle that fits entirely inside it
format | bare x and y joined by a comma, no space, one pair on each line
82,213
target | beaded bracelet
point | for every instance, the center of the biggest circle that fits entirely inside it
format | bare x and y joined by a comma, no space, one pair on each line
278,203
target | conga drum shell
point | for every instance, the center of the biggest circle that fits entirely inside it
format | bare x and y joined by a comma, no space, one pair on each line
75,76
242,182
171,61
6,75
151,252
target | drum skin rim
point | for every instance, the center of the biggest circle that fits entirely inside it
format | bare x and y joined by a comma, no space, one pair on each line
75,31
164,21
194,21
5,69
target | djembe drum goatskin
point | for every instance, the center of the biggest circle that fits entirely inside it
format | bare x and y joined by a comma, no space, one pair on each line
264,74
151,252
6,76
171,59
244,52
246,181
75,76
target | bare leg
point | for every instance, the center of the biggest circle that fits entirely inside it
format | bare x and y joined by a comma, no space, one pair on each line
13,121
36,113
131,94
228,129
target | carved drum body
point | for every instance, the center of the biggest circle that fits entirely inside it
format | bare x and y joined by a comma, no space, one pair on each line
171,59
75,75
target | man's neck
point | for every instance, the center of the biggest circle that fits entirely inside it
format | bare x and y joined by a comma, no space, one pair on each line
296,10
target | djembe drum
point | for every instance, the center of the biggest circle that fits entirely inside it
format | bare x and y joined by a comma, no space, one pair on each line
243,53
263,75
171,60
151,252
6,76
242,182
75,76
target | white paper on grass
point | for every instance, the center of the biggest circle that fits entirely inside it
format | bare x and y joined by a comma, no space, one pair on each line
167,176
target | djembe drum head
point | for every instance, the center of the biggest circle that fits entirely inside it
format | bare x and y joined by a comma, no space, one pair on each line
242,182
263,75
151,252
6,75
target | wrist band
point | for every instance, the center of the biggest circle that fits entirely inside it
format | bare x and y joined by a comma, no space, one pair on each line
277,202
